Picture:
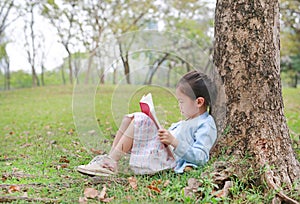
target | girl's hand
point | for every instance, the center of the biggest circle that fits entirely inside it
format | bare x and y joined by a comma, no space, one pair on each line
167,138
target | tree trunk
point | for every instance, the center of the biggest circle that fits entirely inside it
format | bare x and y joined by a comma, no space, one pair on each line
125,62
70,64
89,68
246,54
7,76
35,79
154,68
63,75
43,75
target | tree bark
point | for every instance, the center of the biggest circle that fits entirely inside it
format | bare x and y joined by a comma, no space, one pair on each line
247,56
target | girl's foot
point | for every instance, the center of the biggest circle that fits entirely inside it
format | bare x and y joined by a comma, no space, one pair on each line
101,165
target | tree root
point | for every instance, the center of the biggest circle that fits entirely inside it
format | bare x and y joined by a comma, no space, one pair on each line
269,178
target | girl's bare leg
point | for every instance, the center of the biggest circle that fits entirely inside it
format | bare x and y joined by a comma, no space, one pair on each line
123,127
124,143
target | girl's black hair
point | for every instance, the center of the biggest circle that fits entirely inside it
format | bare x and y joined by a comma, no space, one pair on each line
195,84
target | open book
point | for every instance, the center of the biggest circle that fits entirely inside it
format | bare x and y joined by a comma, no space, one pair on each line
147,107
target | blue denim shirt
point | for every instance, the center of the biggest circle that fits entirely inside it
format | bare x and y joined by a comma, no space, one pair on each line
196,137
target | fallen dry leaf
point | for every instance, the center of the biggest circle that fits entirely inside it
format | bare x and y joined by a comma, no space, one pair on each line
71,131
63,159
224,192
166,183
192,188
13,188
193,183
90,193
97,152
154,188
107,200
64,166
156,182
133,182
26,145
4,177
82,200
102,194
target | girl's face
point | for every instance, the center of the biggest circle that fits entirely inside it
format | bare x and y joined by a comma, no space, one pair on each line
189,108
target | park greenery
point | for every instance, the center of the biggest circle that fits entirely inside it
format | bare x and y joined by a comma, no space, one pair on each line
40,151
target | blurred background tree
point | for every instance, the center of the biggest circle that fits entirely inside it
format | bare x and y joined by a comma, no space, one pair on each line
290,41
83,28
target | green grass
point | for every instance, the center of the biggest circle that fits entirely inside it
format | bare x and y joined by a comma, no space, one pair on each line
40,147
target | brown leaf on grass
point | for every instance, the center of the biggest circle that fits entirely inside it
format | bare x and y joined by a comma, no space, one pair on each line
166,183
133,182
71,131
14,188
193,183
26,145
90,193
224,192
63,159
75,143
192,188
63,166
156,182
107,200
102,194
154,188
82,200
97,152
4,177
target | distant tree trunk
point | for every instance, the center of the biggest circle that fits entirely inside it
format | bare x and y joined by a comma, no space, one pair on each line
125,61
114,74
246,54
35,79
70,64
155,67
7,74
43,75
102,76
89,67
169,75
295,80
63,75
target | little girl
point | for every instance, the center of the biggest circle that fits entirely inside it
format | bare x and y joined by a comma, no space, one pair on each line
185,145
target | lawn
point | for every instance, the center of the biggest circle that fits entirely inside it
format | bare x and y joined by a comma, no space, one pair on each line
40,147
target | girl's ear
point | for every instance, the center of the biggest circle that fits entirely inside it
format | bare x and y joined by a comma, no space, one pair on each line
200,101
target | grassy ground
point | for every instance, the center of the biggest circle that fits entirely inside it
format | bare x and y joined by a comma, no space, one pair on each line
40,148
